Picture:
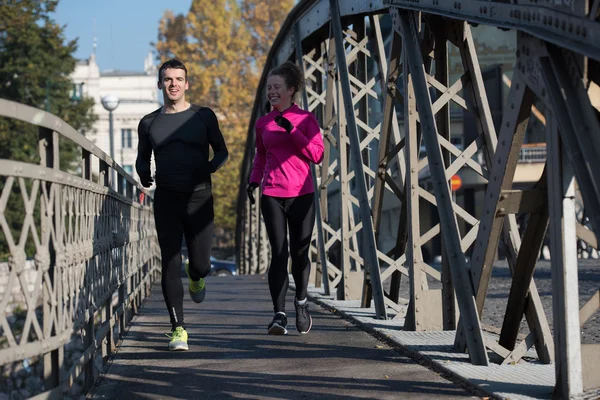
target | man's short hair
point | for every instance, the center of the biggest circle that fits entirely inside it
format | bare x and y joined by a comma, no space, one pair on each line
175,64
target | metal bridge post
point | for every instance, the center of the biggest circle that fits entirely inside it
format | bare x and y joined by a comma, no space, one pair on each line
565,299
331,167
449,228
53,361
321,253
370,247
390,154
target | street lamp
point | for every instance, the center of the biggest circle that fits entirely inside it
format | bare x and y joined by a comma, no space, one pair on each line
110,102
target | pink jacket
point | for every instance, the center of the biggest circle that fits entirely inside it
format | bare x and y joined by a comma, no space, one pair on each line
282,160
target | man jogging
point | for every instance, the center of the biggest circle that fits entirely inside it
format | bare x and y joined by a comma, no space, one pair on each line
179,134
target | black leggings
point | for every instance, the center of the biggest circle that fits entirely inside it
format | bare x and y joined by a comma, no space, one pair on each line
177,214
297,214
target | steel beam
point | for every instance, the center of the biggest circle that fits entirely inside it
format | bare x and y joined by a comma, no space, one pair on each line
565,299
370,246
451,235
568,28
319,219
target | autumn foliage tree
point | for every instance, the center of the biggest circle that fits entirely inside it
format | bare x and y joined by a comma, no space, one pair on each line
224,44
35,63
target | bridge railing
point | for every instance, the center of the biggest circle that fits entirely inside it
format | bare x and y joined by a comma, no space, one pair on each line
93,259
382,78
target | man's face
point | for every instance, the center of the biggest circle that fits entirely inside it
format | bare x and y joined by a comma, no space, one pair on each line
173,84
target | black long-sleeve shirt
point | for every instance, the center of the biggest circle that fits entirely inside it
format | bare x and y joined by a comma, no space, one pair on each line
180,143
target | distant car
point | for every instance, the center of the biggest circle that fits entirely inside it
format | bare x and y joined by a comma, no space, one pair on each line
222,267
217,267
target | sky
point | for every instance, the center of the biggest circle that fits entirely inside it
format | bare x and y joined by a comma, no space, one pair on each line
124,28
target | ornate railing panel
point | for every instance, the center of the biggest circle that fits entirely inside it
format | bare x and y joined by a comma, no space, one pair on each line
95,256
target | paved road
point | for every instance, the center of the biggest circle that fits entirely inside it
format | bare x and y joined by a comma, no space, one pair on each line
497,298
231,356
499,288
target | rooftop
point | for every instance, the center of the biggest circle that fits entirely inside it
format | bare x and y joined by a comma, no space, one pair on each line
116,72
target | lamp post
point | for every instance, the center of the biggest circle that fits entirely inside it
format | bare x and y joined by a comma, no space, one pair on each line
110,103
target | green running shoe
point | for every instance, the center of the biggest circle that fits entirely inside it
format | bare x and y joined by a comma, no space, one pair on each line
197,288
179,339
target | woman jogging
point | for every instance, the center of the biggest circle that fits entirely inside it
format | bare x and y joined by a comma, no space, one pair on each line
288,139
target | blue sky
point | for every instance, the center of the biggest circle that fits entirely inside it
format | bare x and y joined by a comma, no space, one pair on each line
124,28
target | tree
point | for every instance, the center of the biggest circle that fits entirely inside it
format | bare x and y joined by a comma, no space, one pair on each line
35,63
224,47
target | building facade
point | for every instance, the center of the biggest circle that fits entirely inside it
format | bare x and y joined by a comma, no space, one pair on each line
138,95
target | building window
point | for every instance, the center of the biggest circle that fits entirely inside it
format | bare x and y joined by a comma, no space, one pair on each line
126,138
128,169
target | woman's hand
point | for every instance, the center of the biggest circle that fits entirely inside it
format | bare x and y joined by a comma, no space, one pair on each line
284,123
250,190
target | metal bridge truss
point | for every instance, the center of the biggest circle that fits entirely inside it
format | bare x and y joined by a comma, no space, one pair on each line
352,67
96,256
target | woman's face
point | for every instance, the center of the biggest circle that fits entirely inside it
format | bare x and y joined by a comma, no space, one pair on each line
280,96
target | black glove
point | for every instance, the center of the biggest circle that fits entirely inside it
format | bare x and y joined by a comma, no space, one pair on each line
250,190
284,123
147,181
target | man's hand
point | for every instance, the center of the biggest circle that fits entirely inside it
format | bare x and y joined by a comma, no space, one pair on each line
146,181
250,189
284,123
